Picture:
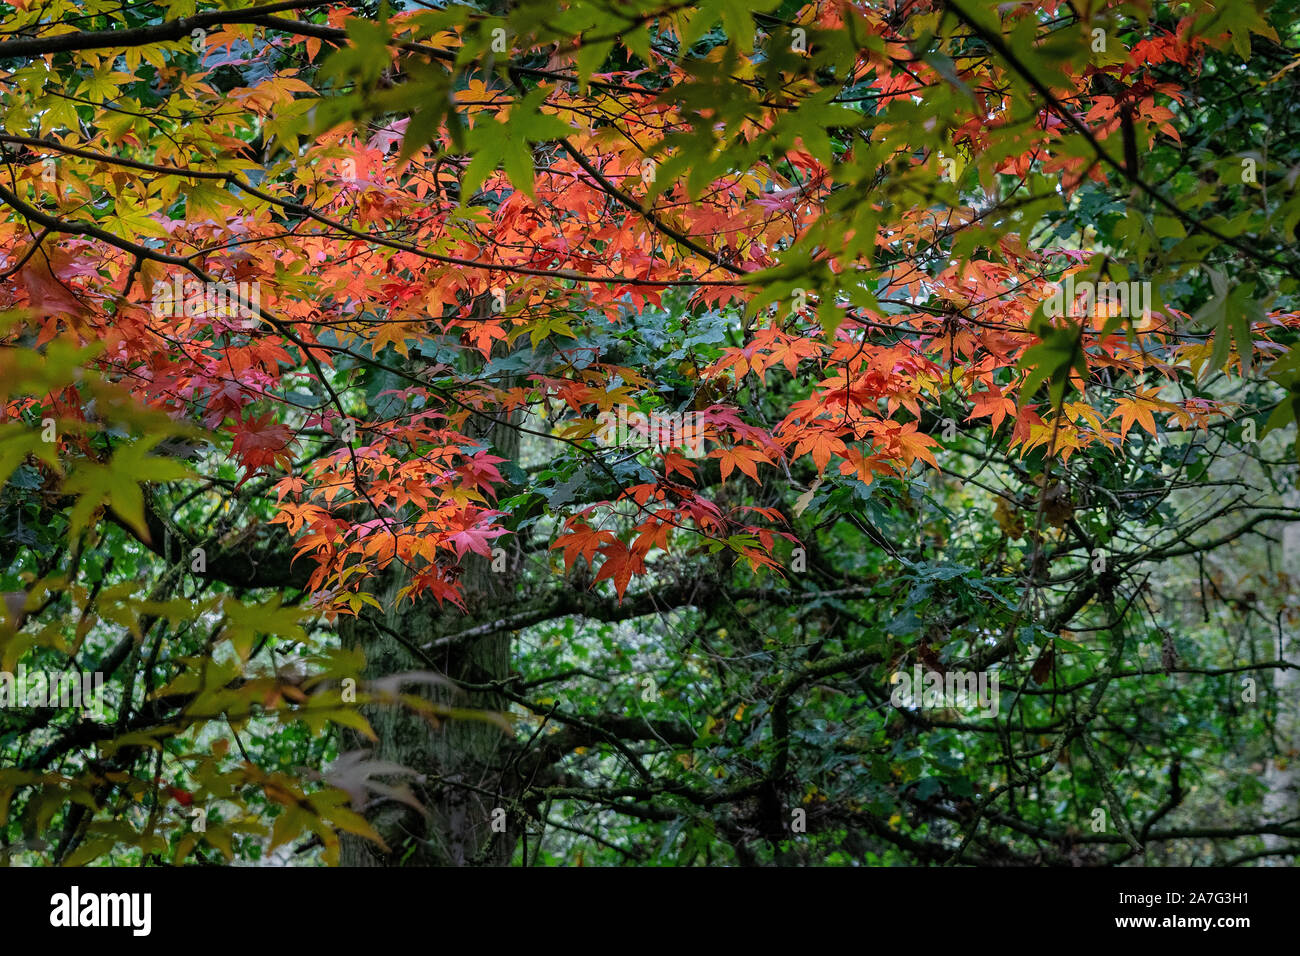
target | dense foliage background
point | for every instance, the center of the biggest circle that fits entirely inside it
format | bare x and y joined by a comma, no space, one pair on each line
367,581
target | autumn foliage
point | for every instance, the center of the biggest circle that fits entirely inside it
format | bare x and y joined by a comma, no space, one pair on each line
827,231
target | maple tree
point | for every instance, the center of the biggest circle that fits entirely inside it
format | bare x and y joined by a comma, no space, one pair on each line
314,315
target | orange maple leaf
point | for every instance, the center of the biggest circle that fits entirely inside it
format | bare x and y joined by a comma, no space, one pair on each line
742,457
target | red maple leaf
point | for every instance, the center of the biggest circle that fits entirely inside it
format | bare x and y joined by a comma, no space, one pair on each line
262,441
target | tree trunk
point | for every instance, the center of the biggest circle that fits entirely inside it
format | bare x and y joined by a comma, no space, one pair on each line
462,761
466,790
1282,776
